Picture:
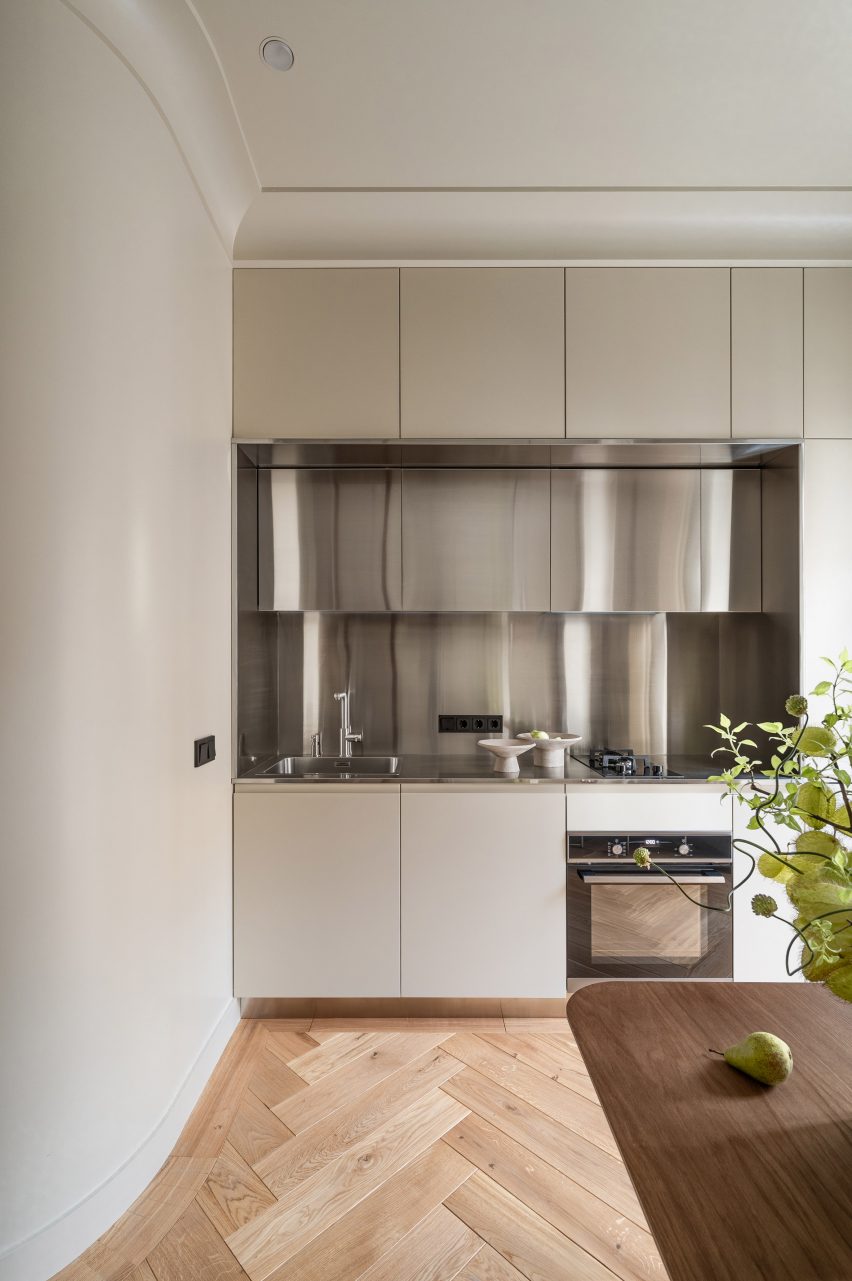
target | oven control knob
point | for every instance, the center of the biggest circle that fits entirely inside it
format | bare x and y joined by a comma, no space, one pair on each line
616,849
684,848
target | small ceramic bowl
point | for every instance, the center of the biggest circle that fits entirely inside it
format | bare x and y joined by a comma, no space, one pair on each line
550,752
505,752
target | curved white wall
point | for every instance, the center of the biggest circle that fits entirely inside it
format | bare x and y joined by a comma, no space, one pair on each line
115,298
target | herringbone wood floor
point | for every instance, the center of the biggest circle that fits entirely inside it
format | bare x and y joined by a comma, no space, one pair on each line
388,1154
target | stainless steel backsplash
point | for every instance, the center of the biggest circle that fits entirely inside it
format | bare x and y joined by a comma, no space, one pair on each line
646,681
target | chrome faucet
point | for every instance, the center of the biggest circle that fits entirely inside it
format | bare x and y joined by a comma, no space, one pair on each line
347,737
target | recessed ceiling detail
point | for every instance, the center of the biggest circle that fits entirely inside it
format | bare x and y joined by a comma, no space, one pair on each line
563,98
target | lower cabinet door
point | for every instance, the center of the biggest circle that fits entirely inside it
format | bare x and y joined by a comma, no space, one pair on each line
483,893
760,945
316,892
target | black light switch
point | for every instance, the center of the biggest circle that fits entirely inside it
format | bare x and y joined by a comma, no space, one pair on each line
205,750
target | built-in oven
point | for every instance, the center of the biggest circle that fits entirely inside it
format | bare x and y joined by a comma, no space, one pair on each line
628,922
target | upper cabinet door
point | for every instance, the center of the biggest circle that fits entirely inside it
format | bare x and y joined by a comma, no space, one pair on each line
476,540
482,352
626,540
828,352
766,352
647,352
316,353
329,539
731,540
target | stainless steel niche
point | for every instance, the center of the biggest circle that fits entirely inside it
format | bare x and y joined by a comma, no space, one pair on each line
626,540
420,581
329,539
476,539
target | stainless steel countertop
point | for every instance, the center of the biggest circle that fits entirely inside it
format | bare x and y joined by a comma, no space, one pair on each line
465,769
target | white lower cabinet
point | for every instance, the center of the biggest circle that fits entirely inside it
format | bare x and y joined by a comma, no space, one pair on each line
483,892
316,891
760,943
630,808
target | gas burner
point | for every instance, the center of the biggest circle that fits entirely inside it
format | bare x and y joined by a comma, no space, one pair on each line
622,762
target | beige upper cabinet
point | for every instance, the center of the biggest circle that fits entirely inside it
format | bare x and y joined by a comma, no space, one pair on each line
828,352
316,353
647,352
766,352
482,352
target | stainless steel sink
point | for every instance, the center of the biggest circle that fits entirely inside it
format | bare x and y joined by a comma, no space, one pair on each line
332,767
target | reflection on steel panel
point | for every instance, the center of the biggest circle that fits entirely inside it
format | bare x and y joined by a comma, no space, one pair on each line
329,540
601,676
730,541
626,540
476,540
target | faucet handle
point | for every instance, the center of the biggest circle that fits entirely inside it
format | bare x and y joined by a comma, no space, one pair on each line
337,697
316,744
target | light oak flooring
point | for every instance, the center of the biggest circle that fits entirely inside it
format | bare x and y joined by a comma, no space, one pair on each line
388,1150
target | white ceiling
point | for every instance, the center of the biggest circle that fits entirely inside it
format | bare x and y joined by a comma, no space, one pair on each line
543,94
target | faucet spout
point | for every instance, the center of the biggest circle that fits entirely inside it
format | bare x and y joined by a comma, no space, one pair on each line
347,737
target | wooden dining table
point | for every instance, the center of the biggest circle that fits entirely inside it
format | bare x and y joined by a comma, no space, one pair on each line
739,1181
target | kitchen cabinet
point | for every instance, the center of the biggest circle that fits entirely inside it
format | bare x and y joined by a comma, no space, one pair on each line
647,352
828,352
483,891
329,539
316,891
626,539
760,944
482,352
826,576
766,352
476,539
731,540
316,352
628,808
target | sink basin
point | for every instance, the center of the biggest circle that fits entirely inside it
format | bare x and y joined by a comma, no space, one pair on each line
332,767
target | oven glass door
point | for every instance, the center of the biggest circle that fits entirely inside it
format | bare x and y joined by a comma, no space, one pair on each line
630,923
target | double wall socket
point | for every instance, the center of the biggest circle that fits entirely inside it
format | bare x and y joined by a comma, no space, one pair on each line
477,723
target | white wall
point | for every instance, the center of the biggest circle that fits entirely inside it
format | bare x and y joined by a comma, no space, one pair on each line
114,634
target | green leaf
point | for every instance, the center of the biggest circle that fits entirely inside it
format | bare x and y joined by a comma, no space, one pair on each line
769,727
725,721
738,729
823,687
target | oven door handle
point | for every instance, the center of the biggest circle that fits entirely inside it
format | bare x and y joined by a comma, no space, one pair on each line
646,878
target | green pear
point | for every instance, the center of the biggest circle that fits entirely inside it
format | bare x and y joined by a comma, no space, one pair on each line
765,1057
539,733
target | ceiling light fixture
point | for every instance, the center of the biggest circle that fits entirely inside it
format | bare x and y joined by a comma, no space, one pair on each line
277,53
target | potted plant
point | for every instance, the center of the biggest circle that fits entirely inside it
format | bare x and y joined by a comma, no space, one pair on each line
805,787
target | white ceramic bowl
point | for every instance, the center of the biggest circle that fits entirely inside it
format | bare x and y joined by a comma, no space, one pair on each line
549,752
505,752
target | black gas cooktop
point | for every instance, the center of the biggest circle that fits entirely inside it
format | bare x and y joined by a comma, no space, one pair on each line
623,762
